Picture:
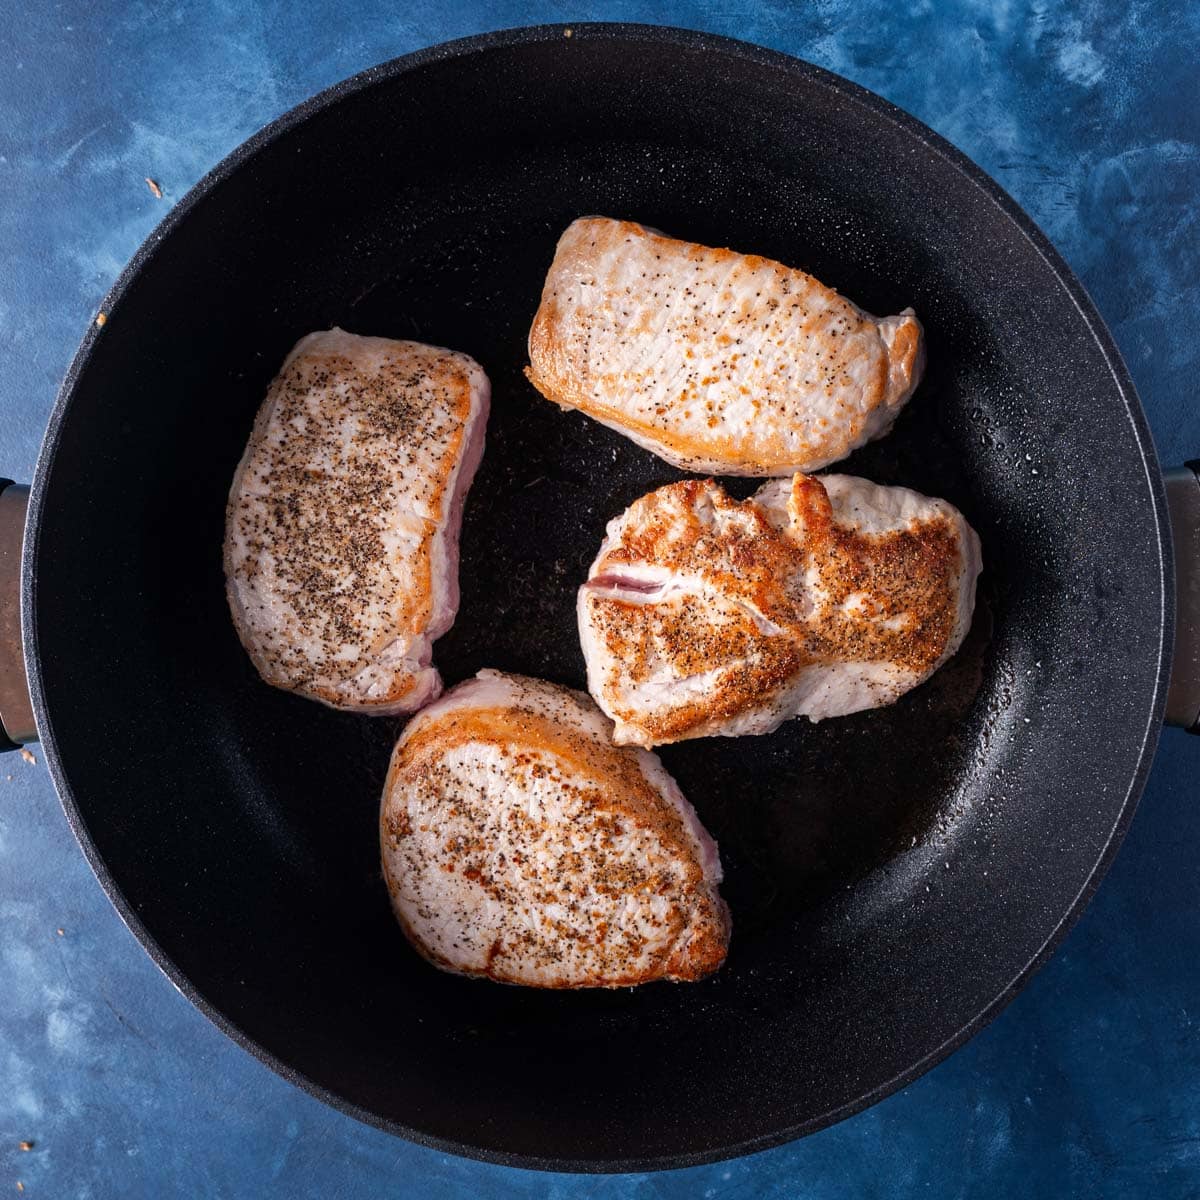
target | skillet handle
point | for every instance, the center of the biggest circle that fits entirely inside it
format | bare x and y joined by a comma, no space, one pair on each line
1183,500
17,726
16,710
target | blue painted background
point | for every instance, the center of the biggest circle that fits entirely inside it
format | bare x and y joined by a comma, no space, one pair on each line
1089,1085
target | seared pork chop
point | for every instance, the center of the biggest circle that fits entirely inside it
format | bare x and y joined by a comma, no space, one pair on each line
341,536
713,360
819,596
521,845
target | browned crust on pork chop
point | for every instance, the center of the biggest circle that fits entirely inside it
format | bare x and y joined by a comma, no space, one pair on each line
321,510
753,618
500,849
807,371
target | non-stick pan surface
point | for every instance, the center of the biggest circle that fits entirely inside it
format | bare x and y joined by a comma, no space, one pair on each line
894,876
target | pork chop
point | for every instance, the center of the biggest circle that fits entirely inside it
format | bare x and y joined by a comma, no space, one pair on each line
341,535
817,597
715,361
521,845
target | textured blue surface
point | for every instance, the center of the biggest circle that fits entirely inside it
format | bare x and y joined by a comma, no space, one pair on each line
1088,1085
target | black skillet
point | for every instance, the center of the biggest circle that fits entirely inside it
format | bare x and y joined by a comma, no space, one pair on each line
895,877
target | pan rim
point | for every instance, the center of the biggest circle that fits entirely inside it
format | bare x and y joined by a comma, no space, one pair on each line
876,108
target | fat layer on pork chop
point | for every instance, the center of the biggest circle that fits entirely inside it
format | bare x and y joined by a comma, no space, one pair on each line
818,597
519,844
341,536
715,361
